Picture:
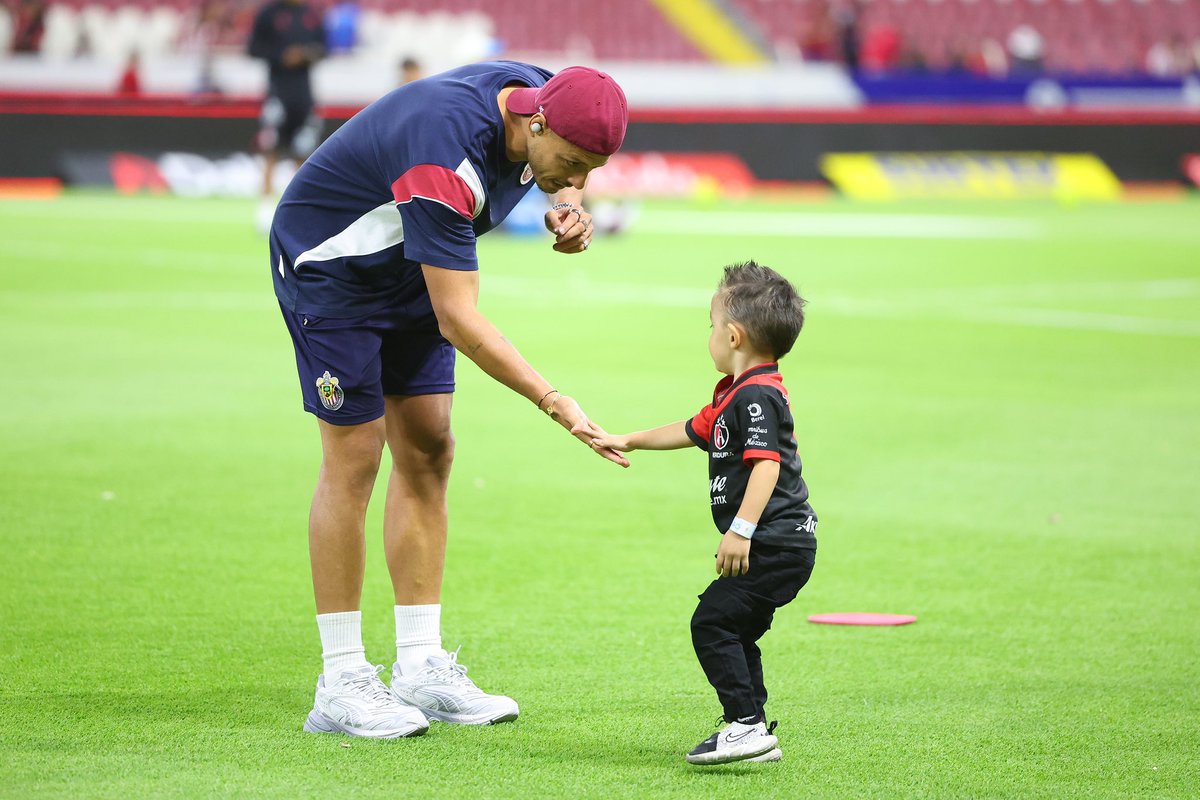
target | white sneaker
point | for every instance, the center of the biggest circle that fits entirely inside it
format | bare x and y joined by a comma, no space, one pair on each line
735,742
441,690
359,704
774,755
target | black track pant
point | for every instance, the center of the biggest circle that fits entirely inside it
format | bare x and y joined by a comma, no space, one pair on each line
734,613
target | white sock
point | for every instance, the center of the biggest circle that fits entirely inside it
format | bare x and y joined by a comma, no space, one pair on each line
341,643
418,636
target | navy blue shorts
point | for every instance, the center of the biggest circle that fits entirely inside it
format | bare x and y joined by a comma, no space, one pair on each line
346,366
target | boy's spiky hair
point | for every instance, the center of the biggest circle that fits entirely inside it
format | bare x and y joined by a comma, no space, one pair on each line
764,303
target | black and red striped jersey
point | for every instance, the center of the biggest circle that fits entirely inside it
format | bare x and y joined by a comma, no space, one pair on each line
750,418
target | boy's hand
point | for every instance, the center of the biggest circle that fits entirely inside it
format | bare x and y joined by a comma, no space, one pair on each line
733,556
612,441
566,412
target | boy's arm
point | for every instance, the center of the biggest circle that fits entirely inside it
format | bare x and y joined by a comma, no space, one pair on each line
733,556
672,436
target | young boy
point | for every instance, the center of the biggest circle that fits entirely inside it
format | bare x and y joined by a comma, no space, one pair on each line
759,501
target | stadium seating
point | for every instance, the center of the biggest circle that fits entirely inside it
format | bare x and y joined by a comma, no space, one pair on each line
6,29
456,31
1079,35
1111,36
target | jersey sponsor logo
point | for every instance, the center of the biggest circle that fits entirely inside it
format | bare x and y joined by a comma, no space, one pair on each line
527,175
755,411
720,434
331,394
809,525
717,484
754,441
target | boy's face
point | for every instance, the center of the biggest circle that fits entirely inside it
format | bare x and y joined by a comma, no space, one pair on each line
720,346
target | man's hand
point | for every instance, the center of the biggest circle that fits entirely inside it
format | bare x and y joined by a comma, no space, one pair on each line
295,55
571,226
566,412
733,556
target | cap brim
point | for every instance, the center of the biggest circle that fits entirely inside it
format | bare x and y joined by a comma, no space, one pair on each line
523,101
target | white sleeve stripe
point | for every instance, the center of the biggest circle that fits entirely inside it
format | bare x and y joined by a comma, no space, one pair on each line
471,178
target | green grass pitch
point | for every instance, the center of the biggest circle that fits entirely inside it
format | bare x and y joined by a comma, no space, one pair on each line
998,409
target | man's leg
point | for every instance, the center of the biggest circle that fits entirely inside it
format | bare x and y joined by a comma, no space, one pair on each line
350,457
349,697
415,518
415,525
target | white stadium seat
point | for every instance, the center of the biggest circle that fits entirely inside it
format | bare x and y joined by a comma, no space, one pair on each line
63,30
6,30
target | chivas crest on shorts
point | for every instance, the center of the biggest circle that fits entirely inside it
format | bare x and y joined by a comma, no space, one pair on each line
331,394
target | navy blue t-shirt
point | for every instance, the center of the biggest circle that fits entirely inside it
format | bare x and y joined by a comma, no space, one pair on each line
412,179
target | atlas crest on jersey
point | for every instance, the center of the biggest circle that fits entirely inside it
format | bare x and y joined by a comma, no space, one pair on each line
720,434
331,394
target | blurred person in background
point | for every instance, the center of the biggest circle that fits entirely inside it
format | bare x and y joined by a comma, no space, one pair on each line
209,25
410,70
341,26
1026,49
290,36
881,48
847,19
29,25
818,42
130,84
1170,59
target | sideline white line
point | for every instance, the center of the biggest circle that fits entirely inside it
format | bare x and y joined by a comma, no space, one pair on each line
838,226
1084,320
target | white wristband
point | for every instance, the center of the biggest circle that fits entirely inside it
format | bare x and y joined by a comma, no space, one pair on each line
743,528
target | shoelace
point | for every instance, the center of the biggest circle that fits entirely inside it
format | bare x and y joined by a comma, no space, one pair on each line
451,671
369,685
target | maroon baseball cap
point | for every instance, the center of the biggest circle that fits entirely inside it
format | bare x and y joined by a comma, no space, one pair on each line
582,105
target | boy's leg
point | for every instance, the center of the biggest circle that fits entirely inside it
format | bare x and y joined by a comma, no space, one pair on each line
739,611
717,624
781,575
754,660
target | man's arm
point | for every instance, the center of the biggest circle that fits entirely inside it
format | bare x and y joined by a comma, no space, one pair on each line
455,295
